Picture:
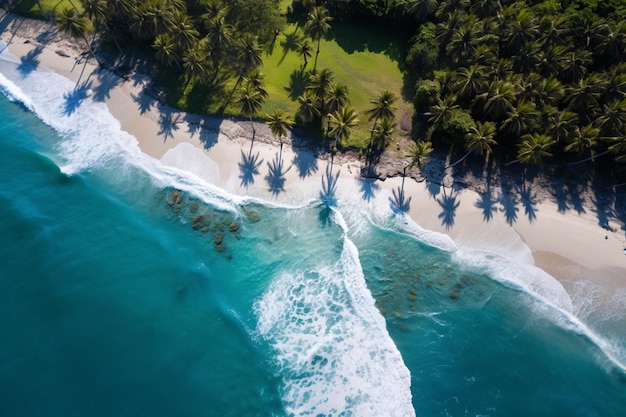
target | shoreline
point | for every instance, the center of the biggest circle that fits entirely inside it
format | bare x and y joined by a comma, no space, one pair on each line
570,246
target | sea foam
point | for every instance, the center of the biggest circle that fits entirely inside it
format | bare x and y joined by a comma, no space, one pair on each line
332,347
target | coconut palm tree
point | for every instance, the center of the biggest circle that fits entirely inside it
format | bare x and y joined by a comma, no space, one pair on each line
534,148
309,107
421,9
248,58
470,81
317,26
584,140
521,30
183,32
383,107
480,140
576,64
279,123
337,97
305,51
383,134
255,79
419,153
76,26
341,123
520,119
463,41
220,41
584,96
440,112
561,124
612,120
250,102
196,64
498,100
166,52
320,85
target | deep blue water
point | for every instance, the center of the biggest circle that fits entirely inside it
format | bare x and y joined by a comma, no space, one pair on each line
121,295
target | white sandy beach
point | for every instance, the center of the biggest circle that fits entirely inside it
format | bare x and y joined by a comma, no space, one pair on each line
569,246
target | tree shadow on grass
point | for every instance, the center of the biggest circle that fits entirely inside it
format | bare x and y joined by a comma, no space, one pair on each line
297,84
290,43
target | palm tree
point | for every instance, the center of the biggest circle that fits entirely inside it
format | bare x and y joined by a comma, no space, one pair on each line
552,60
255,79
584,97
520,119
419,153
463,41
196,64
561,124
248,58
317,26
279,123
305,51
584,140
183,32
320,85
337,97
421,9
341,123
250,102
470,81
166,50
612,120
534,148
383,107
220,41
75,26
440,112
521,30
498,100
383,133
309,107
480,140
576,64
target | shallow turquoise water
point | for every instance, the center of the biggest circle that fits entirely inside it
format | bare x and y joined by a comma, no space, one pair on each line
122,296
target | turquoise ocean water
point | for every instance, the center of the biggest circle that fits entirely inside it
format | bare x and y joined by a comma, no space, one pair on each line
130,289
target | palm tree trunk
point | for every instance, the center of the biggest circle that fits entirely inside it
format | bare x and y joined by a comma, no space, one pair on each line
230,96
253,128
316,54
591,158
460,160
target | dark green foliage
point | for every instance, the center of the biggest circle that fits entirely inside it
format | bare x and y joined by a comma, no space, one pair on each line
427,95
455,127
423,53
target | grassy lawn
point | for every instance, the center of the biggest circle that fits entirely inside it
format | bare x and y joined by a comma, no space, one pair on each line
360,61
31,8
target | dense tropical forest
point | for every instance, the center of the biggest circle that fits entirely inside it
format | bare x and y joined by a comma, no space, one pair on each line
523,81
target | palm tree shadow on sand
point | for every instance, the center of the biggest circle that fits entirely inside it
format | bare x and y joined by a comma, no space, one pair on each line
29,62
276,176
399,203
448,204
329,186
487,204
168,123
74,99
369,187
249,168
529,201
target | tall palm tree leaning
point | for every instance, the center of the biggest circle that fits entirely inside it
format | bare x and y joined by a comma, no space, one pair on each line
279,123
75,25
383,107
480,139
419,153
317,26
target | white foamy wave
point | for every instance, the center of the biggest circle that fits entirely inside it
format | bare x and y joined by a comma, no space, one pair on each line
92,138
14,93
333,350
528,277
